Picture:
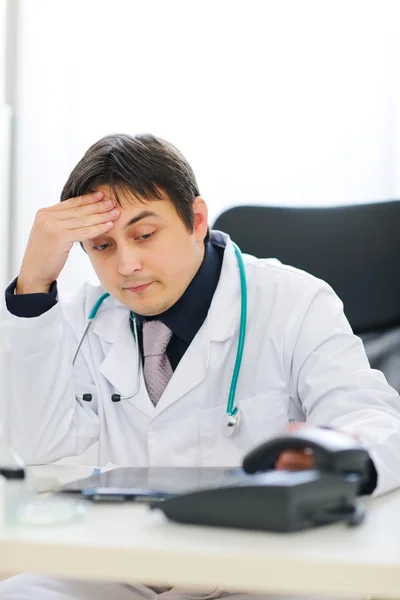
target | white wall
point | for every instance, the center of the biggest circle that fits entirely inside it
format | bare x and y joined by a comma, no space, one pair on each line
5,124
273,102
2,48
5,151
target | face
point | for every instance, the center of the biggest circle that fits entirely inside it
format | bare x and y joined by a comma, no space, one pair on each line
149,257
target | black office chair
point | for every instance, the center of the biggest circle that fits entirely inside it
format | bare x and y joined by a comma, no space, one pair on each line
356,249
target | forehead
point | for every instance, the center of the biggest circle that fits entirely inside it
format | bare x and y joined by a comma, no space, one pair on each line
131,204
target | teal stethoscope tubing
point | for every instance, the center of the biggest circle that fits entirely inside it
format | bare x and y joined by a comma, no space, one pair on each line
231,409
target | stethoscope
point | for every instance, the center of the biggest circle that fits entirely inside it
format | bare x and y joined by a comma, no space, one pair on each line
232,415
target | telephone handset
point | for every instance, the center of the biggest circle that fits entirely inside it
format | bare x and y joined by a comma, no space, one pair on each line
333,451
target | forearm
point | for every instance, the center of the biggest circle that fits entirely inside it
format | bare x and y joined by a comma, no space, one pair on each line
332,379
46,421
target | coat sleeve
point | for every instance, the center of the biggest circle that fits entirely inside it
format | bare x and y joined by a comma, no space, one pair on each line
331,378
46,422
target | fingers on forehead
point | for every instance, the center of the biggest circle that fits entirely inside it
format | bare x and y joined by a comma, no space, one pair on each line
83,200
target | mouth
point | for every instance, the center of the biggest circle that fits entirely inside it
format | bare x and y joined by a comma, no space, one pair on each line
139,288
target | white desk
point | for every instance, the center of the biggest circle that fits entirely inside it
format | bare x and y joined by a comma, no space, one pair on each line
130,542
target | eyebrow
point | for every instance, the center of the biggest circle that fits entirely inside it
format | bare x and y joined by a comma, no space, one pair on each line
143,215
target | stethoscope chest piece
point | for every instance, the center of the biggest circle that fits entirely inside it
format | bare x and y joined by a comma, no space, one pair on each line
231,424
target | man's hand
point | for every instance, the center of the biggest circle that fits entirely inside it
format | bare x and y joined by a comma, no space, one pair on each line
53,234
295,460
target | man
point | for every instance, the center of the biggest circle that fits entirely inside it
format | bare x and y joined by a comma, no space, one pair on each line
150,381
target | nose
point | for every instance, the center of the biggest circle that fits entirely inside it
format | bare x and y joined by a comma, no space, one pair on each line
127,261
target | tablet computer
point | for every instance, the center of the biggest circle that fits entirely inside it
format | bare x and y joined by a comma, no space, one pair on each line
150,483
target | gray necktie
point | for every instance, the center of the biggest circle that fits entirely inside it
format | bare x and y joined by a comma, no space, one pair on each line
156,369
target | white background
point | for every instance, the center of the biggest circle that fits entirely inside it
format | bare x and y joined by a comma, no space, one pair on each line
273,102
5,115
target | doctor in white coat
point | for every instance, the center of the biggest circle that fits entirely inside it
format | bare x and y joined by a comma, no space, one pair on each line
134,205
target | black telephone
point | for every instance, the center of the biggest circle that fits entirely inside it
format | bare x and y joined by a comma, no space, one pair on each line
259,497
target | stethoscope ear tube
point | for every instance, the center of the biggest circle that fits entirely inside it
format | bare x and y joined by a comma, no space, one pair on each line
92,315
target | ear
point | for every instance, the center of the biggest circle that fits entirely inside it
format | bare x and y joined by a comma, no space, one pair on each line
200,226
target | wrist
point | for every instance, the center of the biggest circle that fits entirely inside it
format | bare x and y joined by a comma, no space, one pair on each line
25,286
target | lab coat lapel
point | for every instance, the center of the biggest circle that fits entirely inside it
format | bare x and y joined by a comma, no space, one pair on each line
224,313
220,325
119,366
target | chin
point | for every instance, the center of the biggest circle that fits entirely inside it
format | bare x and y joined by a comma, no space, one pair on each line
151,309
146,307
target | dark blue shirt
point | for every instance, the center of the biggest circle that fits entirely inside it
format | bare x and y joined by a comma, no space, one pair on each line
188,314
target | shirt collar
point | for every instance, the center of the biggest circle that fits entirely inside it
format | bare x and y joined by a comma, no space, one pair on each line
188,314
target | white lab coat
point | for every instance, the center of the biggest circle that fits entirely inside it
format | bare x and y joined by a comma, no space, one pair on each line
301,361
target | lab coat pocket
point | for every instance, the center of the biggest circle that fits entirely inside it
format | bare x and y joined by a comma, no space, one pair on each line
261,417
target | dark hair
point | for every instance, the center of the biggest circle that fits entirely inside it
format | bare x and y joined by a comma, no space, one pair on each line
143,165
